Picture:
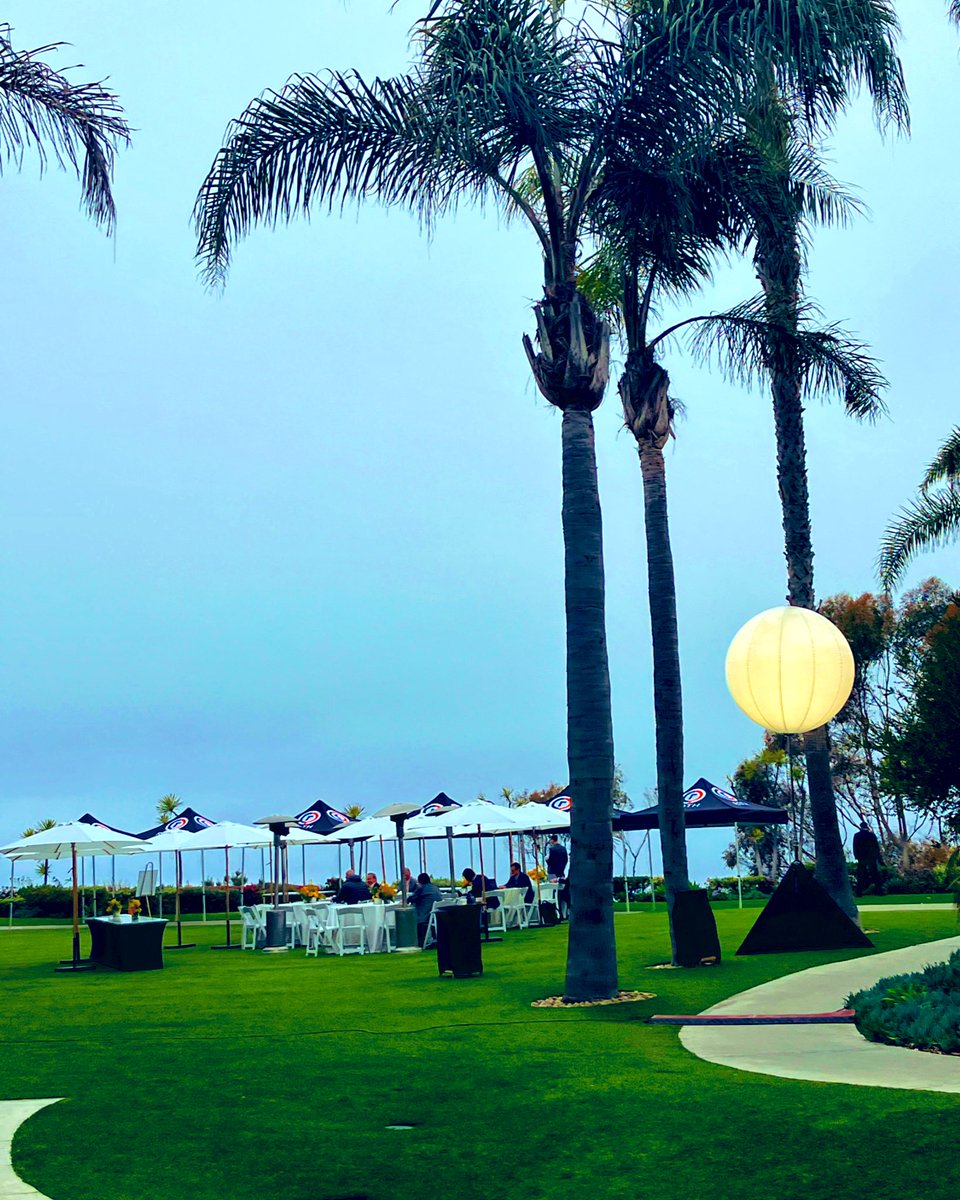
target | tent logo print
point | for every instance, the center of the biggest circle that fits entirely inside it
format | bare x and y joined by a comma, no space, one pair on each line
309,818
431,810
563,803
339,817
177,823
728,797
692,798
204,822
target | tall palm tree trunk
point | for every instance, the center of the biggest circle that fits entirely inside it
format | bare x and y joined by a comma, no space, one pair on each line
644,389
778,261
591,953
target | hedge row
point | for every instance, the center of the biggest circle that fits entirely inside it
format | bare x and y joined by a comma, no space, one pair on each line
58,901
920,1010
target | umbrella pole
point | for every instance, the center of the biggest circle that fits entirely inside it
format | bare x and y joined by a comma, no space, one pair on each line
383,864
350,846
160,885
74,963
178,877
10,922
83,888
483,892
286,870
228,945
93,868
653,890
736,851
450,853
303,864
203,889
626,881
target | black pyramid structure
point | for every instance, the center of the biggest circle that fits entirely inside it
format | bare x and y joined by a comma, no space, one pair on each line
800,915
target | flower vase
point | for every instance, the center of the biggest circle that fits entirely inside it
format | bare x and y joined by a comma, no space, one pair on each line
115,917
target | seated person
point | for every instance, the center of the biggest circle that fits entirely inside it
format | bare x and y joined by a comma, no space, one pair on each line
520,879
353,890
423,897
372,882
480,884
409,883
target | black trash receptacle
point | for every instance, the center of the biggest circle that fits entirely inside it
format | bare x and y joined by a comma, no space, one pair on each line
458,940
695,929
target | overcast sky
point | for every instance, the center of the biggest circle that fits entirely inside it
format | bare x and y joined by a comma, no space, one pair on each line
303,539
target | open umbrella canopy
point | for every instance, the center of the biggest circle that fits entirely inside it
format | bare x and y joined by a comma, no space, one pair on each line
190,821
73,837
705,805
226,835
479,816
321,818
360,831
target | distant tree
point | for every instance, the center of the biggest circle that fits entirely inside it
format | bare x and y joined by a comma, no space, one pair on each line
353,811
43,868
167,808
932,519
922,756
80,124
764,779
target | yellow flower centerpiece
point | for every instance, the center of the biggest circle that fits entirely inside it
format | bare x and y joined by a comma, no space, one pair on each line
537,874
386,891
113,908
133,908
310,892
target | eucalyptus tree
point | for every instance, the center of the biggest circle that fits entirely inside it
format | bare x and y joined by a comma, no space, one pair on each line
79,124
501,89
932,519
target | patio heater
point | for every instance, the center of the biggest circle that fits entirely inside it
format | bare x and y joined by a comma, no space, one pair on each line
406,918
279,826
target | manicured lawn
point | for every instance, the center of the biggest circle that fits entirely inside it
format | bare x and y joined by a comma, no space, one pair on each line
248,1075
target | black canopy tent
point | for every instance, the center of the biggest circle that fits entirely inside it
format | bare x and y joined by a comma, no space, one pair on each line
188,820
705,805
90,819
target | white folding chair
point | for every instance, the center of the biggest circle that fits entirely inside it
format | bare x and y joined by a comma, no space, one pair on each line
253,926
514,909
353,930
314,932
296,925
497,917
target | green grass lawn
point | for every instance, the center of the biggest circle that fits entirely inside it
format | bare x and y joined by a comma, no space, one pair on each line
246,1074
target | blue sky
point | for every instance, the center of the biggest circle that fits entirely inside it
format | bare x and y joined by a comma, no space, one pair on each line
303,539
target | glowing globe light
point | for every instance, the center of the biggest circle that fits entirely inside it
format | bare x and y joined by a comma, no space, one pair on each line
790,670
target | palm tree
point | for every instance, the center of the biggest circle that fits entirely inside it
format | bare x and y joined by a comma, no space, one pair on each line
167,807
661,241
353,811
81,125
43,868
930,520
500,87
806,58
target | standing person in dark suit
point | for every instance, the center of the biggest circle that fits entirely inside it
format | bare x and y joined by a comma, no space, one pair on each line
354,890
866,850
557,858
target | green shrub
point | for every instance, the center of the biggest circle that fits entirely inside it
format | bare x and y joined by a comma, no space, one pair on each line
920,1010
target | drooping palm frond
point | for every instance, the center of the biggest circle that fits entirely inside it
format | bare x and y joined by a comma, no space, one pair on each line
81,125
747,347
946,466
324,140
954,10
818,51
930,521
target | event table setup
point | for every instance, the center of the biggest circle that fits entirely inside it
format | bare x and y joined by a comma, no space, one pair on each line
127,943
73,840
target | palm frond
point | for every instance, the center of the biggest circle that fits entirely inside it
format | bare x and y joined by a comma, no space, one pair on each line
748,348
820,51
954,10
946,465
929,522
80,125
338,138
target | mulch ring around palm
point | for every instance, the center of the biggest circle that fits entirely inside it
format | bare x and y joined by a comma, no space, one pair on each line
619,998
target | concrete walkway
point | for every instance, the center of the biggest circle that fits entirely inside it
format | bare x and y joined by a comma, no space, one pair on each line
12,1115
826,1053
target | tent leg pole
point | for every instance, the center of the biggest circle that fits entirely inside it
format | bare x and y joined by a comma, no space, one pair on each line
736,848
626,881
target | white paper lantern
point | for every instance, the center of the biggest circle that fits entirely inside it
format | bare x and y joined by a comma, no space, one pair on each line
790,670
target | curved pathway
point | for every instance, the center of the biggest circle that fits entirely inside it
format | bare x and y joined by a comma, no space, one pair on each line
13,1113
826,1053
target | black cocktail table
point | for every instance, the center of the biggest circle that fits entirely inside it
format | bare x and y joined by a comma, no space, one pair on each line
127,945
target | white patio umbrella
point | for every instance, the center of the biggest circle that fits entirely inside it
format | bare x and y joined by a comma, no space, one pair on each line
227,836
72,840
